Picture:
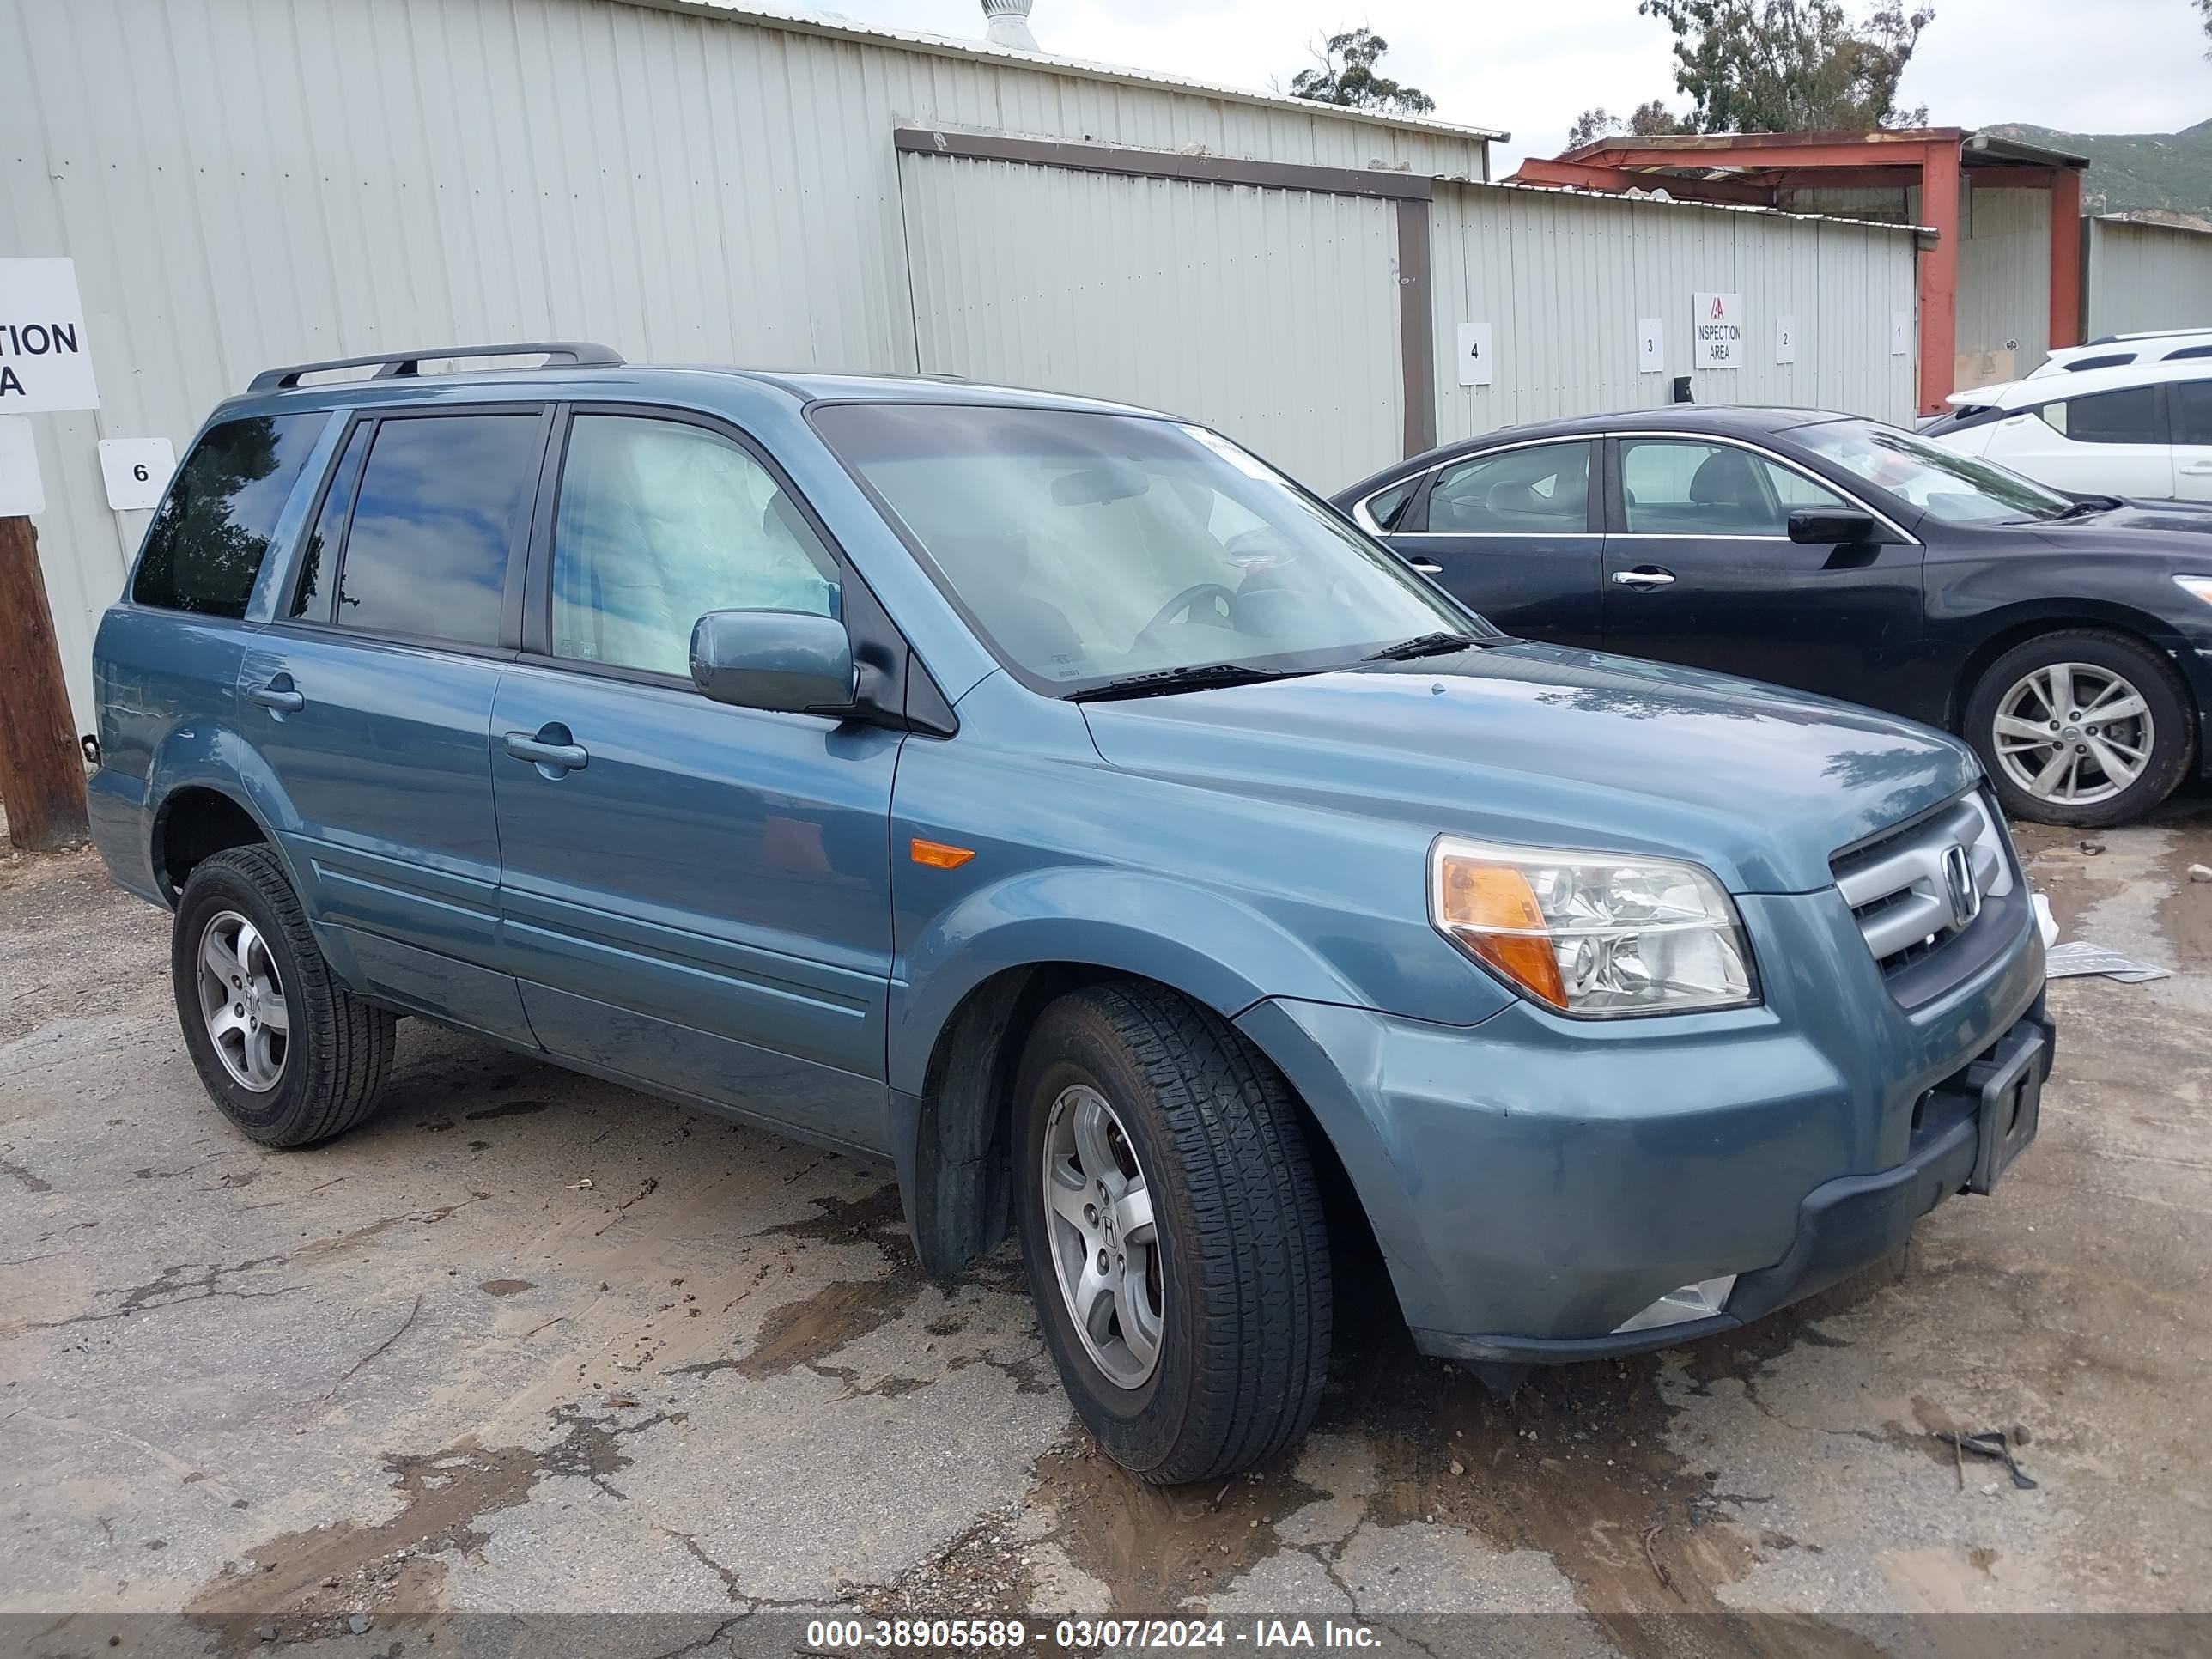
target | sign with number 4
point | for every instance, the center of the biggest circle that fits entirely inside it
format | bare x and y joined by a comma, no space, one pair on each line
137,471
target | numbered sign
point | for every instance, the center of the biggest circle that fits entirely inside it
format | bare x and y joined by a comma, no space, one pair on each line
1475,357
137,471
1785,339
1900,333
1650,346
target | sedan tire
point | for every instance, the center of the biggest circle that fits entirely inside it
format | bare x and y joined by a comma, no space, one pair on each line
2082,728
1173,1231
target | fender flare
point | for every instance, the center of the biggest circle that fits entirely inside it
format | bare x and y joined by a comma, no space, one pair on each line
213,758
1219,953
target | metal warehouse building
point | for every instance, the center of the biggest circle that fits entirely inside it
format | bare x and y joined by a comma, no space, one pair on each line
247,182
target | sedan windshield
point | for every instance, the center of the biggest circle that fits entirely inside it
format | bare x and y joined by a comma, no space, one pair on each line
1104,553
1954,489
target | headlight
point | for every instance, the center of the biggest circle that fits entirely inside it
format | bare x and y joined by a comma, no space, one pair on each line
1590,935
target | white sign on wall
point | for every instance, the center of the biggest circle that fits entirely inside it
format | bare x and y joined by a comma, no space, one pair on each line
1716,329
1785,339
136,471
1900,333
1475,361
1650,346
45,361
21,494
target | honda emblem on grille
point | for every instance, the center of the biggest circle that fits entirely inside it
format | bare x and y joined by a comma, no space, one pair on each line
1958,883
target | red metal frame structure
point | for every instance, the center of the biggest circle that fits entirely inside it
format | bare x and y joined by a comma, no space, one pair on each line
1755,168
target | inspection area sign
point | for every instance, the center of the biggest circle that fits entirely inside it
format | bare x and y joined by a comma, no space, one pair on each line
45,361
1717,328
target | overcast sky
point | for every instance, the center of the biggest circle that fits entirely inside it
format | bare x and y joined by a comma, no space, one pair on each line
2080,65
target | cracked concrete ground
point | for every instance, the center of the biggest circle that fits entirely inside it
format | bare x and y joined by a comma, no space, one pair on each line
530,1343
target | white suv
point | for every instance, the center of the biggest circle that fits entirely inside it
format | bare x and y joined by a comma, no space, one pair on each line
2140,430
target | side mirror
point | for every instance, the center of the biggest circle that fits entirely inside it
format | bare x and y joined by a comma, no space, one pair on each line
789,662
1823,526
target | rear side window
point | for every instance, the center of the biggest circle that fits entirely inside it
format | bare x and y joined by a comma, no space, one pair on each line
212,529
2129,417
2192,412
1543,492
440,507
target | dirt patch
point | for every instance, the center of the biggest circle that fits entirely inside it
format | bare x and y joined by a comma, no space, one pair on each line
805,1332
506,1286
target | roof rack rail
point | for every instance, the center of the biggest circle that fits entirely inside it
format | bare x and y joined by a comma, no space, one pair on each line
580,353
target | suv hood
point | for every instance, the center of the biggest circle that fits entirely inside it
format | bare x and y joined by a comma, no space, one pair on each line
1561,748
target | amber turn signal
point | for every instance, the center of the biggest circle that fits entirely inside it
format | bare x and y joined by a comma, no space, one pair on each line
940,855
1492,910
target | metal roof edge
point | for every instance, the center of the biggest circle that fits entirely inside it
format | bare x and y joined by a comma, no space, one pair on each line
1928,234
832,27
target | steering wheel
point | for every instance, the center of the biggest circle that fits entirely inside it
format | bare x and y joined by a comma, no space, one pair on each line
1225,601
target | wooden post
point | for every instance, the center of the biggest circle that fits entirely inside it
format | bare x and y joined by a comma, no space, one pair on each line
41,775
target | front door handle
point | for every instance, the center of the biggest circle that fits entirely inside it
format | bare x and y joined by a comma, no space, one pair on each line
279,695
551,748
1425,566
1644,578
2197,469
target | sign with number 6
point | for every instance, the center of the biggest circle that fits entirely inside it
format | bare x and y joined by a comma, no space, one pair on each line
136,471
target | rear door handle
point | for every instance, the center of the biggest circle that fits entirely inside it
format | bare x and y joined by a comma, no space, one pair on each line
1425,566
2196,469
279,695
1644,578
551,749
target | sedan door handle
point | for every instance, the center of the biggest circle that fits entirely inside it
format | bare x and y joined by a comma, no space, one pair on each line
279,695
1645,578
2196,469
551,749
1425,566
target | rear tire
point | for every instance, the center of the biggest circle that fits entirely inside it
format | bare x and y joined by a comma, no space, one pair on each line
2071,765
1230,1302
321,1072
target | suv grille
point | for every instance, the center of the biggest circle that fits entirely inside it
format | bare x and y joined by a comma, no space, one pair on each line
1915,889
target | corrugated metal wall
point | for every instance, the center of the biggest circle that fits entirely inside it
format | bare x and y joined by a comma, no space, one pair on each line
1563,280
247,182
2137,277
2004,276
1270,314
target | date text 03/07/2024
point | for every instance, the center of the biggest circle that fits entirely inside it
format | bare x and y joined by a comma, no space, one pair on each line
1086,1635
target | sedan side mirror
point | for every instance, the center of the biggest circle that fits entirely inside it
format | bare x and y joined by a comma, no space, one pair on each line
789,662
1823,526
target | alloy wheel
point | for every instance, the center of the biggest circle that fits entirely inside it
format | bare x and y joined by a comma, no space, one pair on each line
2073,733
1105,1253
242,1001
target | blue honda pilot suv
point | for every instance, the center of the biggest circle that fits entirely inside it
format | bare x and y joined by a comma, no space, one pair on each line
1055,800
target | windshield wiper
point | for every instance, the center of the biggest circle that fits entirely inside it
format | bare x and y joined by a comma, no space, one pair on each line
2088,504
1195,678
1424,645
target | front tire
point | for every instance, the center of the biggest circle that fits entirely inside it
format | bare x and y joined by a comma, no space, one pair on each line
289,1055
1173,1231
2082,728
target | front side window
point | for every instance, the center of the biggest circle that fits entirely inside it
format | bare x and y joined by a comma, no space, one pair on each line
438,514
212,531
1951,488
2128,416
661,522
1088,548
1541,491
1681,487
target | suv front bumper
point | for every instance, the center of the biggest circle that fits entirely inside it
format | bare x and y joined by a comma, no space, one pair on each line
1536,1183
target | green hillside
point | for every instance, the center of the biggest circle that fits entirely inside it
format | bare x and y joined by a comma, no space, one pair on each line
2132,171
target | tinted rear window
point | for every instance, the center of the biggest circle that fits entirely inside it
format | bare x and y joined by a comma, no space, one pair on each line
441,506
212,531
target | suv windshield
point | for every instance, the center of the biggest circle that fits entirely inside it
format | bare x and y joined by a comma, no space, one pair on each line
1954,489
1090,549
